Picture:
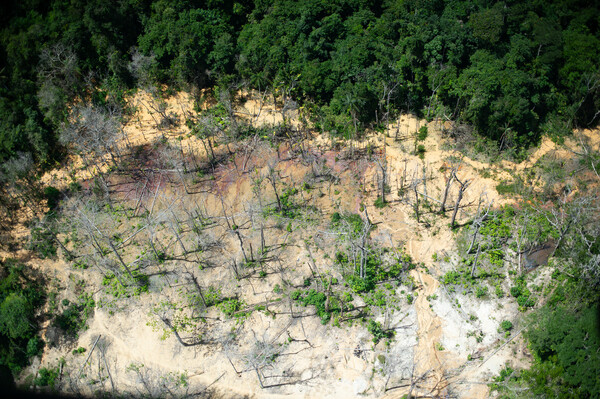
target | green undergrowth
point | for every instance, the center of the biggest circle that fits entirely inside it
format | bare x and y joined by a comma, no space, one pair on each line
497,242
124,286
377,270
328,307
21,298
75,315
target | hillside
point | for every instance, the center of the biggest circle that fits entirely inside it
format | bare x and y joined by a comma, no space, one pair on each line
284,198
269,265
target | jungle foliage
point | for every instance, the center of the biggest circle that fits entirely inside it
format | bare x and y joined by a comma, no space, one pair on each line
21,296
511,69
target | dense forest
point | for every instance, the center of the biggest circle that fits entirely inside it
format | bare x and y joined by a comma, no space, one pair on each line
512,70
509,73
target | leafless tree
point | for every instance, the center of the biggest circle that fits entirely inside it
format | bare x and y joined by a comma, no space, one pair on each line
415,188
449,180
48,224
87,216
152,383
59,78
172,160
273,177
140,67
383,180
461,190
480,216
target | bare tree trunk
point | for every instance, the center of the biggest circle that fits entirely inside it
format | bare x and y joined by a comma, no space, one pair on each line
461,190
446,191
475,261
416,205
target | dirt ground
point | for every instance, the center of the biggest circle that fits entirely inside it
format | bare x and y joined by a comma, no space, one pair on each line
432,349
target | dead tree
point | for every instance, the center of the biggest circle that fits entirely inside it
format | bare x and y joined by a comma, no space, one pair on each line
171,161
566,215
480,217
387,94
18,185
362,245
235,230
273,177
415,186
285,90
461,190
521,225
383,180
93,131
86,216
49,225
476,260
449,181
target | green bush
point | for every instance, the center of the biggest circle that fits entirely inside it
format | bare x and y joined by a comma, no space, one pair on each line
74,317
35,345
52,195
79,350
480,291
20,298
504,188
319,299
506,325
380,203
47,377
230,306
139,285
422,134
376,329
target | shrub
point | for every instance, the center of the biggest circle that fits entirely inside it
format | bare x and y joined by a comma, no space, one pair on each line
506,188
47,377
79,350
379,203
480,291
52,195
230,306
42,242
74,317
35,345
422,135
506,325
376,329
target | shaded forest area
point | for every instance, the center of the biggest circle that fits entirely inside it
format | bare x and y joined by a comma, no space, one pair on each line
510,71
